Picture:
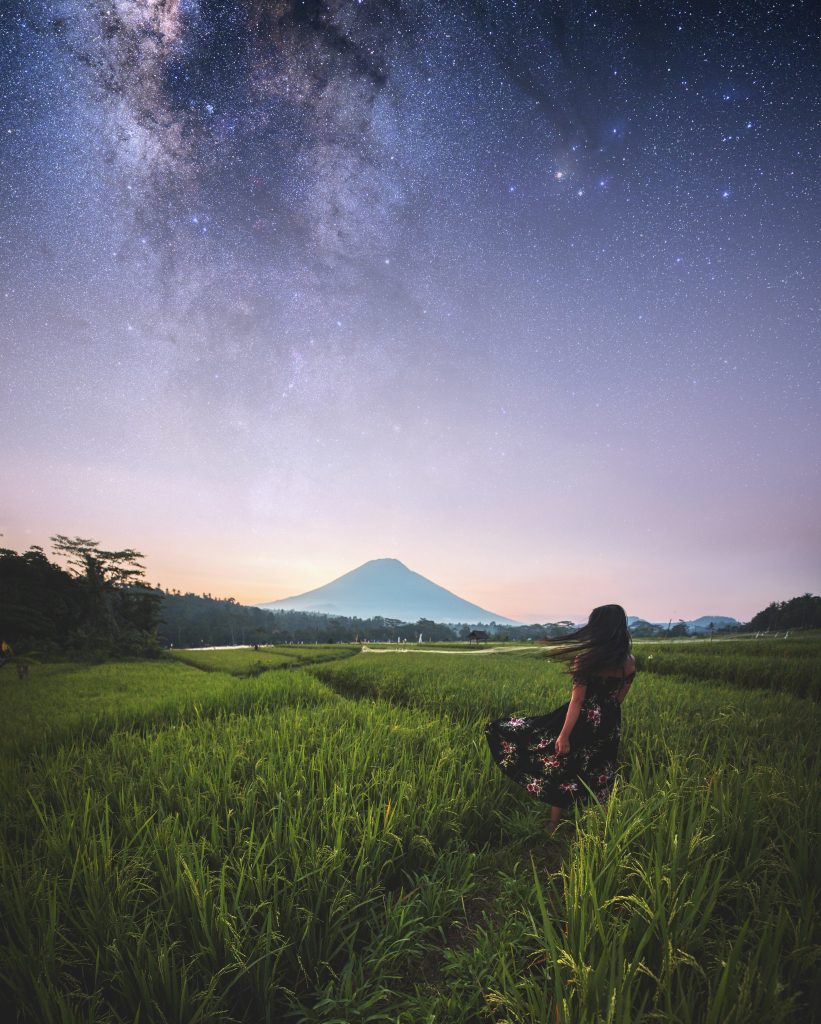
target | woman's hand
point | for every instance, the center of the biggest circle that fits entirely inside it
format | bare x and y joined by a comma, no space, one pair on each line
562,746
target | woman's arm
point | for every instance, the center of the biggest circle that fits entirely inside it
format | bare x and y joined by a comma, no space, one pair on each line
573,709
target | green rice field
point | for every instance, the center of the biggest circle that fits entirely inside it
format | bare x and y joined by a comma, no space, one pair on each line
318,834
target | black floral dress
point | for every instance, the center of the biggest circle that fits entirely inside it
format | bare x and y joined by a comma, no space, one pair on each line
525,748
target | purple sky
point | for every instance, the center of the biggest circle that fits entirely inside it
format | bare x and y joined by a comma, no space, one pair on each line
527,302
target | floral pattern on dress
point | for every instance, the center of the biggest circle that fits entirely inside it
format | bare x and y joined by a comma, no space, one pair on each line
594,714
524,747
509,753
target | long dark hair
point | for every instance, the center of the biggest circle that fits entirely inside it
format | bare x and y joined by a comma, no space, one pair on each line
603,642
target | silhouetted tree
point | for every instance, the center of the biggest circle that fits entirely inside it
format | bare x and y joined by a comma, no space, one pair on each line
119,606
802,612
98,605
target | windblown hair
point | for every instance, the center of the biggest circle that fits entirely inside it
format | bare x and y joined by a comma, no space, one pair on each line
603,642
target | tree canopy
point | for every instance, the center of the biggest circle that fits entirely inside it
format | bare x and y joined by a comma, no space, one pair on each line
97,604
802,612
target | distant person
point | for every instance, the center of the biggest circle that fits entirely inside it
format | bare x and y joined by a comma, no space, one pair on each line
557,756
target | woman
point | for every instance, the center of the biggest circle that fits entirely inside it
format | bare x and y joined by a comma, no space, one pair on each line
562,756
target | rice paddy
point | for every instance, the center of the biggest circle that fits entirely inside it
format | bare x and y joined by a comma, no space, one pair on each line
317,835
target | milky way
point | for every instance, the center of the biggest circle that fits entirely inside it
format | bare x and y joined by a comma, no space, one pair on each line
523,294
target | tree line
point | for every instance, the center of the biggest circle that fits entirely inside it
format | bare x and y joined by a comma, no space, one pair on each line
98,604
802,612
192,620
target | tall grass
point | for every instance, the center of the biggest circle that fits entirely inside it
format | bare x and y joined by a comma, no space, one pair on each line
60,698
69,701
341,849
792,665
262,858
694,895
245,661
454,686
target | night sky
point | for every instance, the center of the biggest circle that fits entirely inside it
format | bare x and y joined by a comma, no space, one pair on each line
522,294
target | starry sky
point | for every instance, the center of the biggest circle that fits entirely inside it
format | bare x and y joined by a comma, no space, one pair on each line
523,294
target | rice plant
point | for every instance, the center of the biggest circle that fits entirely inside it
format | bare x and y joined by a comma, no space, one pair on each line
332,843
245,661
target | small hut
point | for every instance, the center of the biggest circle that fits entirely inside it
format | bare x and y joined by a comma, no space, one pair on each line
476,636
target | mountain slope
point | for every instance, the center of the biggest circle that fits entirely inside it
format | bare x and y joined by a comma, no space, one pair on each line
386,587
699,625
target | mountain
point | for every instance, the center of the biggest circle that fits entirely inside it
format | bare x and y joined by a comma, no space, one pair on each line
386,587
702,624
699,625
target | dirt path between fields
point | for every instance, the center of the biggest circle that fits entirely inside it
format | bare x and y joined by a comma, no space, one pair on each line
416,650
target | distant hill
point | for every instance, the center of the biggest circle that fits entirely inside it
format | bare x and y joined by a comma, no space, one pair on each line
702,624
386,587
699,625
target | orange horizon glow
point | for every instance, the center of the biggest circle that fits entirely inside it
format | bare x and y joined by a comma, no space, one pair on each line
527,586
